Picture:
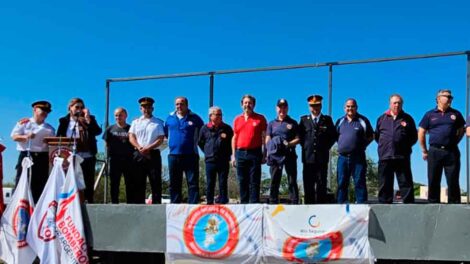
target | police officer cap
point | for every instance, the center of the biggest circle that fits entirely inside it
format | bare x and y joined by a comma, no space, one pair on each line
282,101
314,99
146,101
44,105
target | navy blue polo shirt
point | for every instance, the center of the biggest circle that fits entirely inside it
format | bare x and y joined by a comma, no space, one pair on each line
287,129
353,136
442,126
183,133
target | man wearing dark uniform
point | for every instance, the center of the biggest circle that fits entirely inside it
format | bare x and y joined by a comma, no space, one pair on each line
29,133
445,126
281,138
119,153
317,135
395,134
215,140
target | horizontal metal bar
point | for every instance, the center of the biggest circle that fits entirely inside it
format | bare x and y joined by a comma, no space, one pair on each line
290,67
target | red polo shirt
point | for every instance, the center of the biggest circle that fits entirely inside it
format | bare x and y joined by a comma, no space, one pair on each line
249,132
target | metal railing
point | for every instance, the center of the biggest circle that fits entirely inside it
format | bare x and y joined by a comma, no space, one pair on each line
330,66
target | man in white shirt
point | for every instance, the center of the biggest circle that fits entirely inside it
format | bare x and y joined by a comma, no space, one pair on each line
146,134
29,133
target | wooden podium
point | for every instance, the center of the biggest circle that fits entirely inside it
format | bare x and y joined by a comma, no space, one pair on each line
59,147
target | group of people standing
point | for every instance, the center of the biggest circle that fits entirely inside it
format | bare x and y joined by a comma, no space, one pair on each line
134,150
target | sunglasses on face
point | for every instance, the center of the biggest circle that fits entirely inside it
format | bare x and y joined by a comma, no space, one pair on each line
448,96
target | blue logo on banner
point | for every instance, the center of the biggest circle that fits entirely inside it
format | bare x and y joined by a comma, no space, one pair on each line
211,232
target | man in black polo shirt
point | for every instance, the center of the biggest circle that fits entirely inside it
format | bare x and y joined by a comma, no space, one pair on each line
445,126
281,139
317,135
354,135
215,140
120,154
395,134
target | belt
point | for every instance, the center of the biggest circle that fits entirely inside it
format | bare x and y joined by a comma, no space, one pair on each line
34,154
442,147
249,150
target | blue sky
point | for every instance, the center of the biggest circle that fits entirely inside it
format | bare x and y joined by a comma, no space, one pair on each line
56,50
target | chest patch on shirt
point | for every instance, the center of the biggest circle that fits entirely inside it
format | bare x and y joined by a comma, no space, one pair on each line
289,126
403,124
453,117
223,135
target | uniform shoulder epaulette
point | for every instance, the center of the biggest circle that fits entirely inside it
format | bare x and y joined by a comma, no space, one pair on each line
23,121
305,116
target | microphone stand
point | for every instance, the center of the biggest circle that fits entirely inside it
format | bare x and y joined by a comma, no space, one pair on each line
73,135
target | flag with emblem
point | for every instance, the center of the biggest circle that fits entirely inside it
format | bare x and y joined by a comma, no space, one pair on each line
42,231
70,228
14,247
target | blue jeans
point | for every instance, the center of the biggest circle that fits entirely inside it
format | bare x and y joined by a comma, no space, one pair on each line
220,168
189,164
354,166
249,174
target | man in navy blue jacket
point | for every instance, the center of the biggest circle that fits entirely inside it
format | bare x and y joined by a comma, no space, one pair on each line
182,130
215,140
354,135
395,134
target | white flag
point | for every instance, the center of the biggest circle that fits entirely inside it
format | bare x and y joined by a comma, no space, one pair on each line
14,223
42,231
71,232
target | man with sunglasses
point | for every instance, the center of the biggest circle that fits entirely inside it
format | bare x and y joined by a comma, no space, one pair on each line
215,140
29,133
317,135
281,138
445,127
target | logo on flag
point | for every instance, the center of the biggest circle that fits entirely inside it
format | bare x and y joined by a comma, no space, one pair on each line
47,225
322,248
211,232
20,221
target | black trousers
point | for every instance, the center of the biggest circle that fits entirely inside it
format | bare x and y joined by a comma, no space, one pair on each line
119,165
449,161
143,167
39,172
387,171
290,163
88,168
315,179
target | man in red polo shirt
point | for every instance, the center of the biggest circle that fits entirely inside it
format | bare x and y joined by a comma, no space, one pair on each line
248,149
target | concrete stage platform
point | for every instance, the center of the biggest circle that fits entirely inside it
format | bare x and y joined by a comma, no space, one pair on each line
418,232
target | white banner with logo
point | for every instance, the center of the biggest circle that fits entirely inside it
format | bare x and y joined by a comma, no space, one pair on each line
214,234
14,248
316,233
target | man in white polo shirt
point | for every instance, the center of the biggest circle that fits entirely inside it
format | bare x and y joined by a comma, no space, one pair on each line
146,135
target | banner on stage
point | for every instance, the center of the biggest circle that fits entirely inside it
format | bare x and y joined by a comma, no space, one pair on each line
223,233
316,233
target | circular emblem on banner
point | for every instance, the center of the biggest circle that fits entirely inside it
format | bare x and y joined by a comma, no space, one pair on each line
453,117
403,123
322,248
21,219
313,222
62,152
289,126
223,135
211,232
47,226
190,123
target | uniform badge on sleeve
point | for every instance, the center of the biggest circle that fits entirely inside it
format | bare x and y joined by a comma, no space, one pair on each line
453,117
403,123
223,135
289,126
190,123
